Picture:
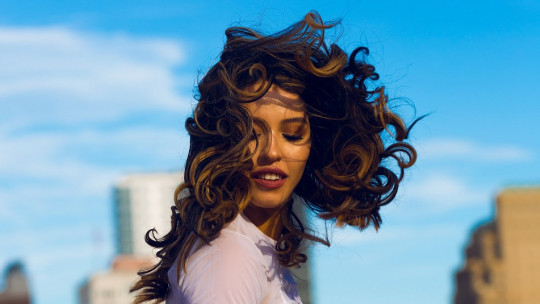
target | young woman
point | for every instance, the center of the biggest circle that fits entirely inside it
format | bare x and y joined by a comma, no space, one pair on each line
281,119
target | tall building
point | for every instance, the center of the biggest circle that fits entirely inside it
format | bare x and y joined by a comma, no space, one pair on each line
16,289
142,202
502,263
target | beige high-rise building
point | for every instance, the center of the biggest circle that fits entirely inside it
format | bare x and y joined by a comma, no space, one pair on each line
502,263
143,202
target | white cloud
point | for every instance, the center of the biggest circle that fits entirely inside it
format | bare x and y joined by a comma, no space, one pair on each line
459,148
53,169
61,154
60,77
440,192
56,74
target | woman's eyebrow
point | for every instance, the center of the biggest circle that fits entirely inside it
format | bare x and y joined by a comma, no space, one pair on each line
294,119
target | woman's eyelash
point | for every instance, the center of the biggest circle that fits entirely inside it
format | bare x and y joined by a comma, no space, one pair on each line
292,137
289,137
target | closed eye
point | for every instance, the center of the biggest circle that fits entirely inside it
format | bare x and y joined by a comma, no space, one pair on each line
293,138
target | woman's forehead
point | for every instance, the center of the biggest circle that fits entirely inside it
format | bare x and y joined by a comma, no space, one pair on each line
276,96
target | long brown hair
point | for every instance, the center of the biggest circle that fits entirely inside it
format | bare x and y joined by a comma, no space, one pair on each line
348,176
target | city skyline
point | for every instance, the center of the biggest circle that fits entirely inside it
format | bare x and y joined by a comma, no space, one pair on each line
91,91
501,264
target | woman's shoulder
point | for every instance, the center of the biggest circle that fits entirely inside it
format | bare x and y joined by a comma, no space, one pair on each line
238,242
232,266
229,244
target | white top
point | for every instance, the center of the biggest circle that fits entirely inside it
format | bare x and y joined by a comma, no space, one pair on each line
240,267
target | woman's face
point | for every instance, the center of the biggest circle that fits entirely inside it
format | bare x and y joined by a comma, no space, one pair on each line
282,151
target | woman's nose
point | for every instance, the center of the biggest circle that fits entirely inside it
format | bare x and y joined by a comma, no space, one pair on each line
270,151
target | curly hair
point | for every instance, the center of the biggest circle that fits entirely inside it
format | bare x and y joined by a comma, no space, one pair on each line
347,177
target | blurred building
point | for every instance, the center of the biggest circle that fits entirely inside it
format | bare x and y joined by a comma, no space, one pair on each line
16,289
502,263
112,286
143,202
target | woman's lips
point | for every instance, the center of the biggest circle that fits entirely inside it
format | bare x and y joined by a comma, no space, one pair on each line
269,178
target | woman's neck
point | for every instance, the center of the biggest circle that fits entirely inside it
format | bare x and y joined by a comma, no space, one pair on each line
268,220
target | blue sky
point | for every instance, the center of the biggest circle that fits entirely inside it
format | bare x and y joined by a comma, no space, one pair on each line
93,90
